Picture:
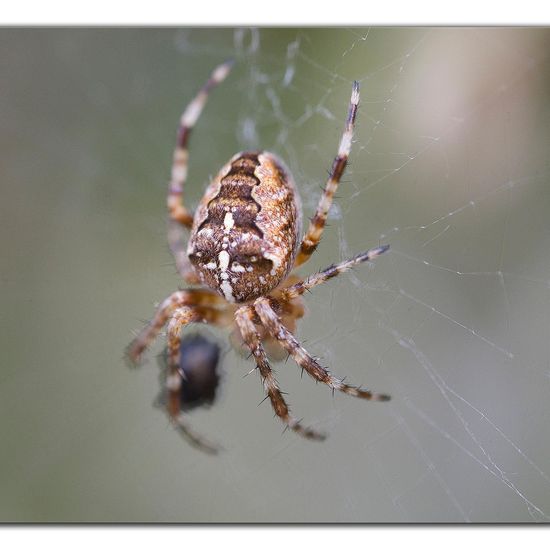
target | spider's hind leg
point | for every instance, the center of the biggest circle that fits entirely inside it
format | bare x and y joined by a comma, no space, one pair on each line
315,229
180,216
178,247
181,298
176,208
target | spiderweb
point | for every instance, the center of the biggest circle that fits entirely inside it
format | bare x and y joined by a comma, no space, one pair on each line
449,167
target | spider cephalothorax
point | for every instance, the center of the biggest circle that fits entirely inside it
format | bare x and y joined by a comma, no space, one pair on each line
244,244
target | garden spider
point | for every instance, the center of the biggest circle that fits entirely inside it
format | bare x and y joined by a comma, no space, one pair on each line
244,243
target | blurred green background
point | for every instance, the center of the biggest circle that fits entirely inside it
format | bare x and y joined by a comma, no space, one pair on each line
449,166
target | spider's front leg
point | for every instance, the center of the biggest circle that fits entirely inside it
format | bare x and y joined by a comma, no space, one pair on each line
181,298
244,317
180,309
176,378
271,321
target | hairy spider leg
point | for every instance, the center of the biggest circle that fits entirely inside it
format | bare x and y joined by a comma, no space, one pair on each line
191,297
304,359
180,216
317,224
244,318
180,317
176,208
297,289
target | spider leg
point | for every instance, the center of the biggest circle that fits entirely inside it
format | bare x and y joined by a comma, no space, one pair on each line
292,310
193,437
192,297
178,247
174,383
271,320
178,211
180,317
244,318
317,224
333,270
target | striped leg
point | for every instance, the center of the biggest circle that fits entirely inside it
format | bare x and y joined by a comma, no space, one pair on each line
176,208
317,224
244,319
178,247
180,317
299,288
176,300
180,423
272,322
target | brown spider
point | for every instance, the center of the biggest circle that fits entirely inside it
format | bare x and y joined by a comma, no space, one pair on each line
244,243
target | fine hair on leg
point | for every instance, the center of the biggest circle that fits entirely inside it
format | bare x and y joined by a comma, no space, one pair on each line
244,319
180,161
317,224
304,359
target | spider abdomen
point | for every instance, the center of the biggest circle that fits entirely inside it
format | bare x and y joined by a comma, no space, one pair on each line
246,229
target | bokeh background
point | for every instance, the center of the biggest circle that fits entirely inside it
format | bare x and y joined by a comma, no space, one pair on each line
449,166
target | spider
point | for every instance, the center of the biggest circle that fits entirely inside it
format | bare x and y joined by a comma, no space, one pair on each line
244,244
